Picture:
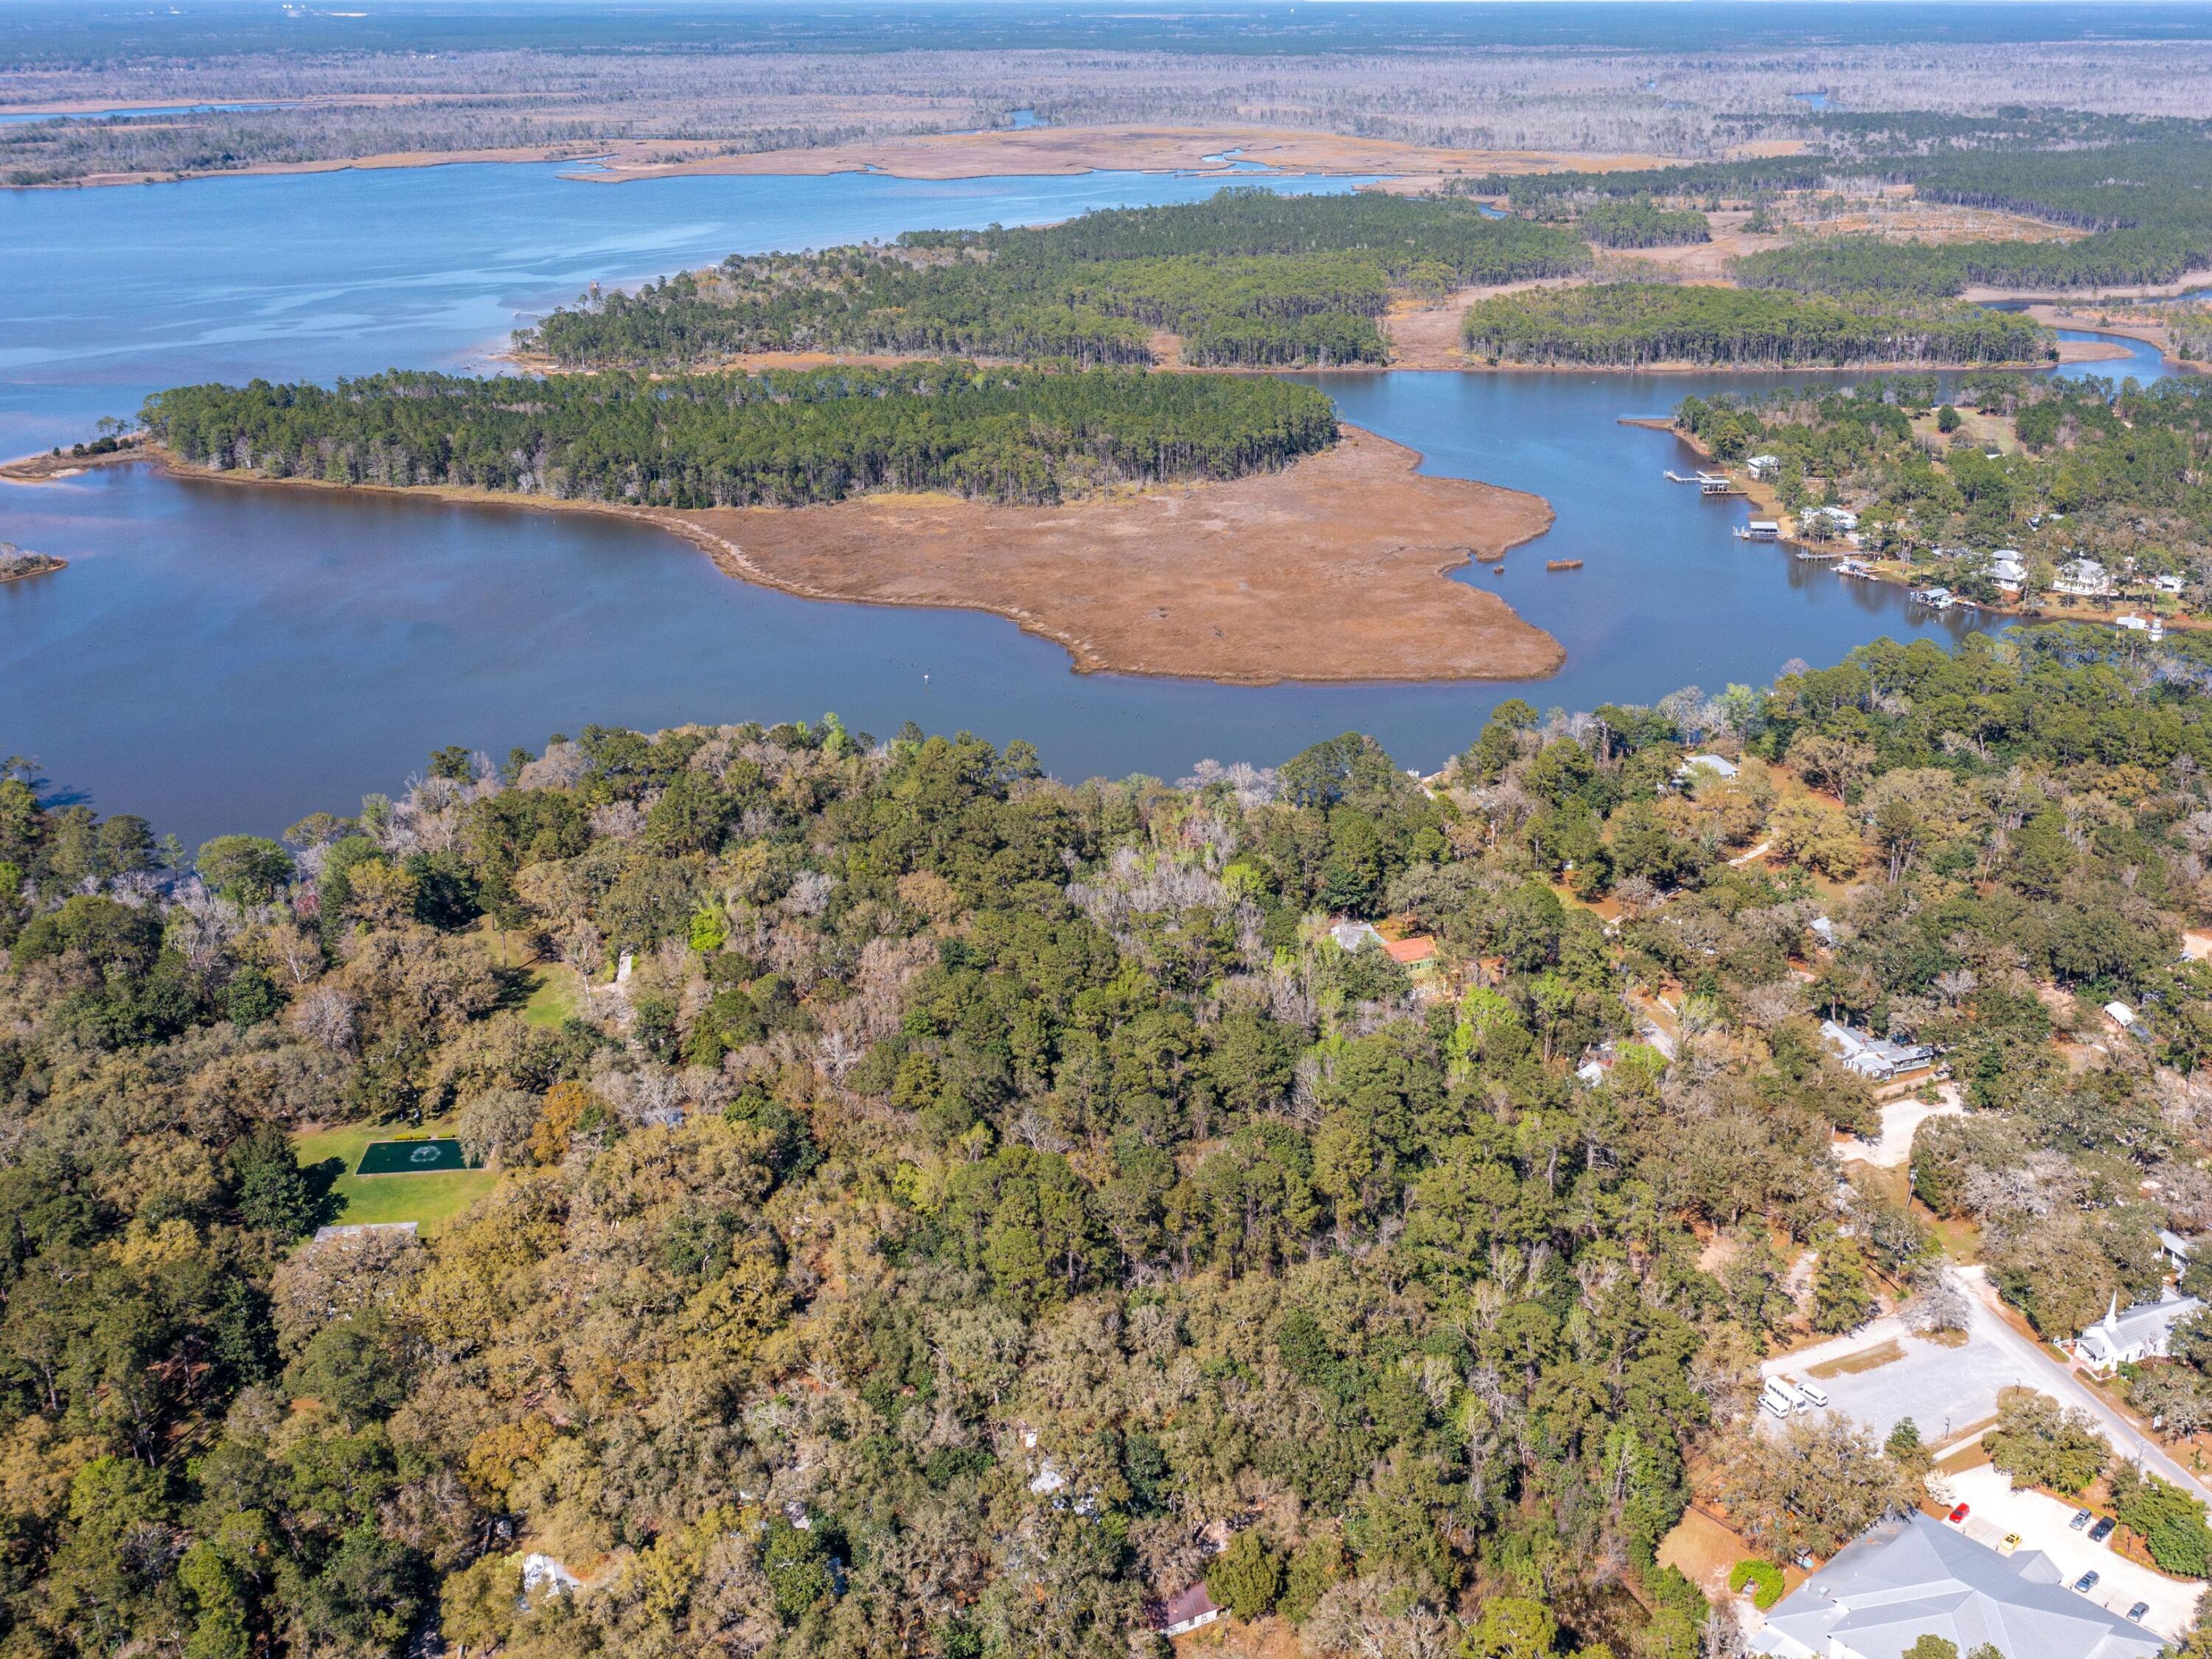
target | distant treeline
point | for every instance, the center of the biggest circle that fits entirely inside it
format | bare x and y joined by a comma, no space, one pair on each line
1626,325
734,439
1249,279
2144,199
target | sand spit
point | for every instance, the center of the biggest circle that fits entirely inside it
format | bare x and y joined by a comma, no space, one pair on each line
1335,569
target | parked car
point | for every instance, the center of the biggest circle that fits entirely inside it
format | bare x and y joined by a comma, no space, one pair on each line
2136,1613
2011,1543
1957,1516
2102,1530
2081,1520
2086,1583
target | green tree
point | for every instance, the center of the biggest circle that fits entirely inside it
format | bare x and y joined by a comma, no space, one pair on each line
1512,1627
247,868
1843,1292
2041,1443
1246,1577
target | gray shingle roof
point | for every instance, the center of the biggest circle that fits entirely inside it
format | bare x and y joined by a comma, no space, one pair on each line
1904,1579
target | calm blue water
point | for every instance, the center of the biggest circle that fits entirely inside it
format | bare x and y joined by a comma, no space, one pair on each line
114,293
19,117
220,658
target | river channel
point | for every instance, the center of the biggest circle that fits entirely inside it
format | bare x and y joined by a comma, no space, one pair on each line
220,658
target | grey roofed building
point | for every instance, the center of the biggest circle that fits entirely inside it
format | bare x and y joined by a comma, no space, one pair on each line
1905,1578
2125,1336
1879,1057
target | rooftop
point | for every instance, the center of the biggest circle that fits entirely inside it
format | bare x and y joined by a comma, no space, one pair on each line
1912,1577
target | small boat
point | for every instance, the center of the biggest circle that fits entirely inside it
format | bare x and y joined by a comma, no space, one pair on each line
1563,565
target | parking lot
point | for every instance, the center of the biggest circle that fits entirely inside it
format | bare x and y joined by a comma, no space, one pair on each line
1994,1509
1944,1390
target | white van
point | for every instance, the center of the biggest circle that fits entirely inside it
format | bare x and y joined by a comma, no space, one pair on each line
1778,1397
1812,1394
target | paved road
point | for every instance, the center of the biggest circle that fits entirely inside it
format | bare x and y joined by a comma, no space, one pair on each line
2039,1371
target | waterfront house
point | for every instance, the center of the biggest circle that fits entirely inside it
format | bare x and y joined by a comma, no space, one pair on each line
2007,569
1763,466
1836,520
2082,579
1909,1575
1870,1056
2128,1336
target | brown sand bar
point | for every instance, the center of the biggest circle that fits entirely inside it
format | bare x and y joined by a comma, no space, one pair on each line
1122,148
1337,569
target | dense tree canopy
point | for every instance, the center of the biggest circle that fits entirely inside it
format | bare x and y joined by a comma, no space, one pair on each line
785,438
991,1204
1250,279
1631,325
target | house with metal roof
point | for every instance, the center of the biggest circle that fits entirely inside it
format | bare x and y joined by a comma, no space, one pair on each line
1879,1057
1719,765
2177,1251
1911,1577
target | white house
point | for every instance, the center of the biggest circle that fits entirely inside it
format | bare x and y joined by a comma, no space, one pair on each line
2082,579
2007,569
2177,1251
1910,1576
546,1577
1187,1612
1763,466
2126,1335
1355,935
1719,767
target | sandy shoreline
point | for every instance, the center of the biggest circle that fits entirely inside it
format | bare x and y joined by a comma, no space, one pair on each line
1033,152
1337,569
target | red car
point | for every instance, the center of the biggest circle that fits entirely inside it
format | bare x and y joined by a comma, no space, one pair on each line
1958,1515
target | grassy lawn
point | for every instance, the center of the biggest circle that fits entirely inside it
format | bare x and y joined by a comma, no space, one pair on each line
552,999
429,1200
1851,1363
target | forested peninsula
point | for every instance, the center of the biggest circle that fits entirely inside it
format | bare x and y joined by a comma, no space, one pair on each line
1249,279
988,1206
1635,325
778,439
